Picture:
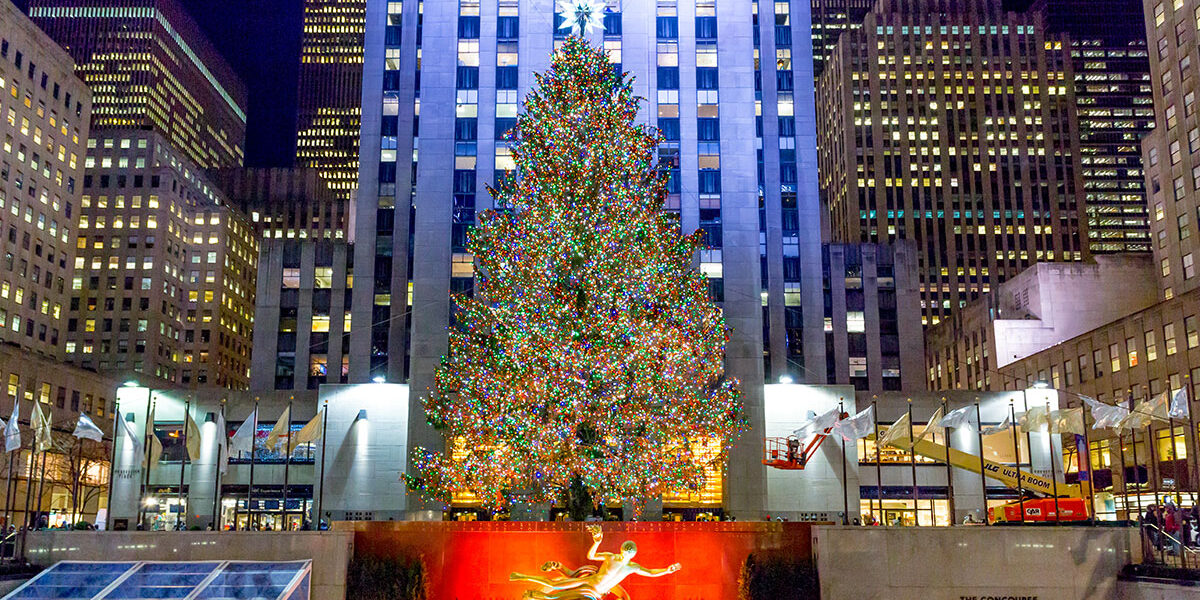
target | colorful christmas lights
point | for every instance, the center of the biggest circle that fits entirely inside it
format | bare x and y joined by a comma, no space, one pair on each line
590,347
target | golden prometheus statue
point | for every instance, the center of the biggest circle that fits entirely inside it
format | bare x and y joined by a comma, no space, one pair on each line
590,582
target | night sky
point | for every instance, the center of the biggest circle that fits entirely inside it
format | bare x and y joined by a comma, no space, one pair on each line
261,41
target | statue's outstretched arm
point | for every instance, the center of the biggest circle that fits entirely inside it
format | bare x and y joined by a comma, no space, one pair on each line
644,572
597,537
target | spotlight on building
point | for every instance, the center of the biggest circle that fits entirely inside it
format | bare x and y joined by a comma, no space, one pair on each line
151,500
130,383
379,379
1040,385
786,378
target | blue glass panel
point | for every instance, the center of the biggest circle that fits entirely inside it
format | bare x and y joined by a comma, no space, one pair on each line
163,580
70,580
239,581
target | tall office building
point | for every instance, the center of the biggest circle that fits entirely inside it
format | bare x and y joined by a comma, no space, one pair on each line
149,67
1172,151
1115,110
289,204
742,161
165,268
45,126
829,19
953,124
330,94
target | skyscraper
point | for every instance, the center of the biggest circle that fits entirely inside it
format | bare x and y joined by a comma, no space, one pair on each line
953,124
829,19
1114,106
1172,151
45,126
149,67
330,94
165,268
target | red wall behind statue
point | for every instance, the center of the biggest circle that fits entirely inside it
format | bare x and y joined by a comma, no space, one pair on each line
472,560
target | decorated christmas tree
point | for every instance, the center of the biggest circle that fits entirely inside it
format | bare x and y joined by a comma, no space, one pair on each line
589,354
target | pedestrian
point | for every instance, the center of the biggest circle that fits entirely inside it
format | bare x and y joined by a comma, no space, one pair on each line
1150,524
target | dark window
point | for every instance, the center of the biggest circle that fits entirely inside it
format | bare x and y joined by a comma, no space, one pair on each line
668,78
667,28
467,78
506,78
706,28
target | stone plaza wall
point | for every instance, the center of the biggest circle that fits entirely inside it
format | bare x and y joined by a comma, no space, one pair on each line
972,563
330,551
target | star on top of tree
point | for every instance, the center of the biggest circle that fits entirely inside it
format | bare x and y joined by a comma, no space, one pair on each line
582,16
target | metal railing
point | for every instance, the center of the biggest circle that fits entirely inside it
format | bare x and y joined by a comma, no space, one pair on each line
1162,548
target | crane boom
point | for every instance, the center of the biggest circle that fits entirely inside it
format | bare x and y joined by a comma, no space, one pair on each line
1003,473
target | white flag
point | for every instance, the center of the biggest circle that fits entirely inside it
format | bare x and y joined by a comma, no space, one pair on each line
133,437
1105,416
857,427
86,429
931,425
243,438
956,418
222,442
12,430
816,425
899,430
1067,421
1007,424
1145,412
1035,419
1179,405
280,431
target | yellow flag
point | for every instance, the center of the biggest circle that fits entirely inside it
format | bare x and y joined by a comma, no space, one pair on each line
155,449
193,439
280,430
311,432
40,422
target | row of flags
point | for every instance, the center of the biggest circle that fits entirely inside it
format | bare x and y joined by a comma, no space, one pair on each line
1163,407
241,442
39,421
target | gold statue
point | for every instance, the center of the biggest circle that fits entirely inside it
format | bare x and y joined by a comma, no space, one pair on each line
590,582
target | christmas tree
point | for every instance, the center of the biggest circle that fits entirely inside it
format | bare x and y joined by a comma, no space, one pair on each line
590,354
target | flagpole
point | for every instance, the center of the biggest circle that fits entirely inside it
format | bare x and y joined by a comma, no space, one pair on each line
149,455
287,463
912,454
219,439
1012,413
8,479
845,492
1053,472
321,490
878,465
42,489
982,468
949,469
112,465
180,521
29,475
250,487
1028,436
1193,474
1091,471
1174,459
1137,476
78,479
